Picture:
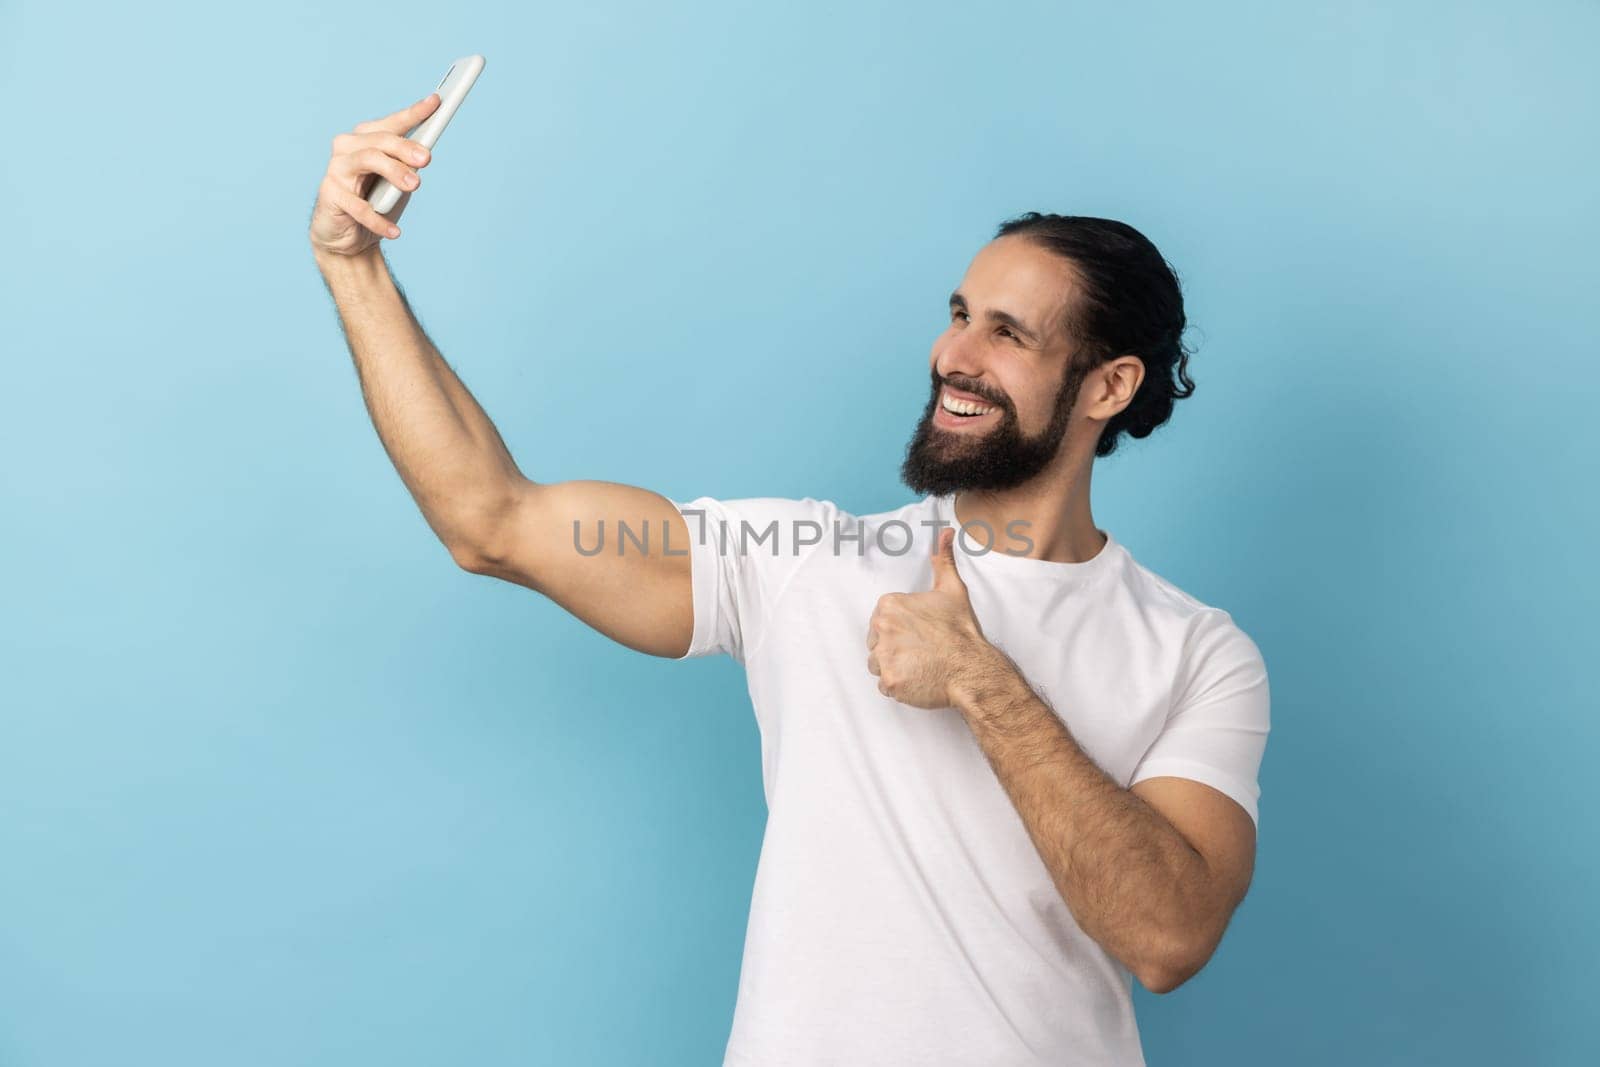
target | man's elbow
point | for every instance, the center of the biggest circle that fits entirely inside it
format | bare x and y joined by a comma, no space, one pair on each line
479,537
469,557
1166,980
1168,971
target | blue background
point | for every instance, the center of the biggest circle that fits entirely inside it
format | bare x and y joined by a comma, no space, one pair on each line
280,784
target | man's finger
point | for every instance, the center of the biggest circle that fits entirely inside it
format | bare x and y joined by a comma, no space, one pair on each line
402,120
945,575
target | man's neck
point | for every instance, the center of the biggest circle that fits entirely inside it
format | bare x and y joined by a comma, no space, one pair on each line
1051,510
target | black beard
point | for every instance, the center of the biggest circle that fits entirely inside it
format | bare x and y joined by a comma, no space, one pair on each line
939,462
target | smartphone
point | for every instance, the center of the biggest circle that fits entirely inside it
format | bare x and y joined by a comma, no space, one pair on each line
452,89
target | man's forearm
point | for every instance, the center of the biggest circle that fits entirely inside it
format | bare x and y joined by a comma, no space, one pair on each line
447,452
1132,881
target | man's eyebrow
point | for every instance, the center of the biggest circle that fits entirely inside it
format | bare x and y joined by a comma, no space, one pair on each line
959,303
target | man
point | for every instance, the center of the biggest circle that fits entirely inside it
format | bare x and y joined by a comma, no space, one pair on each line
1005,772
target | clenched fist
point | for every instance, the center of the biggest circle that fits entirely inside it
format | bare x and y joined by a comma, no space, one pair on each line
918,644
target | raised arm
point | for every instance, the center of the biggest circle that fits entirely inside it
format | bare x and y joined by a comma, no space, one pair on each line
493,519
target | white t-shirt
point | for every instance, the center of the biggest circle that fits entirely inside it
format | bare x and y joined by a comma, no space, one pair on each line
901,915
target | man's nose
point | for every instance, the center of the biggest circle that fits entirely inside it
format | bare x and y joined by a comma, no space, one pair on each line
960,357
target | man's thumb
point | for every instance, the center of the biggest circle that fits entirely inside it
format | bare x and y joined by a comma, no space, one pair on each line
945,575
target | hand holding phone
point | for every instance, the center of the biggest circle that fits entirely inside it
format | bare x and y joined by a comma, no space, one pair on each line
387,153
452,90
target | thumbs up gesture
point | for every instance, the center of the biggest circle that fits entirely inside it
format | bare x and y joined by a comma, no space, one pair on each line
919,643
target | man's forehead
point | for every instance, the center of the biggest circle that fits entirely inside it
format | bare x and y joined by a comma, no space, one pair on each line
1022,266
1017,276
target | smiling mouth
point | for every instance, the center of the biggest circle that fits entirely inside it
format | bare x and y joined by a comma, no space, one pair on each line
964,409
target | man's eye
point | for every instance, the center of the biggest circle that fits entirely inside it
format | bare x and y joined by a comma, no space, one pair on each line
1004,330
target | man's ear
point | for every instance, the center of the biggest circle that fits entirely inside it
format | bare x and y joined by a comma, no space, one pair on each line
1117,380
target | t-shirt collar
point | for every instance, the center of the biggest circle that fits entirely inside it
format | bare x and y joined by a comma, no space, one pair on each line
999,558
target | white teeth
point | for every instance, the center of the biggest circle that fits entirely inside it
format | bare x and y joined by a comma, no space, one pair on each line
963,407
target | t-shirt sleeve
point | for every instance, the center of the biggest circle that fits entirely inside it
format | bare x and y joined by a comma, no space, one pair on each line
1217,731
742,554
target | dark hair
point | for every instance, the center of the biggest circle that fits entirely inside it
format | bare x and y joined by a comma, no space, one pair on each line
1130,304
